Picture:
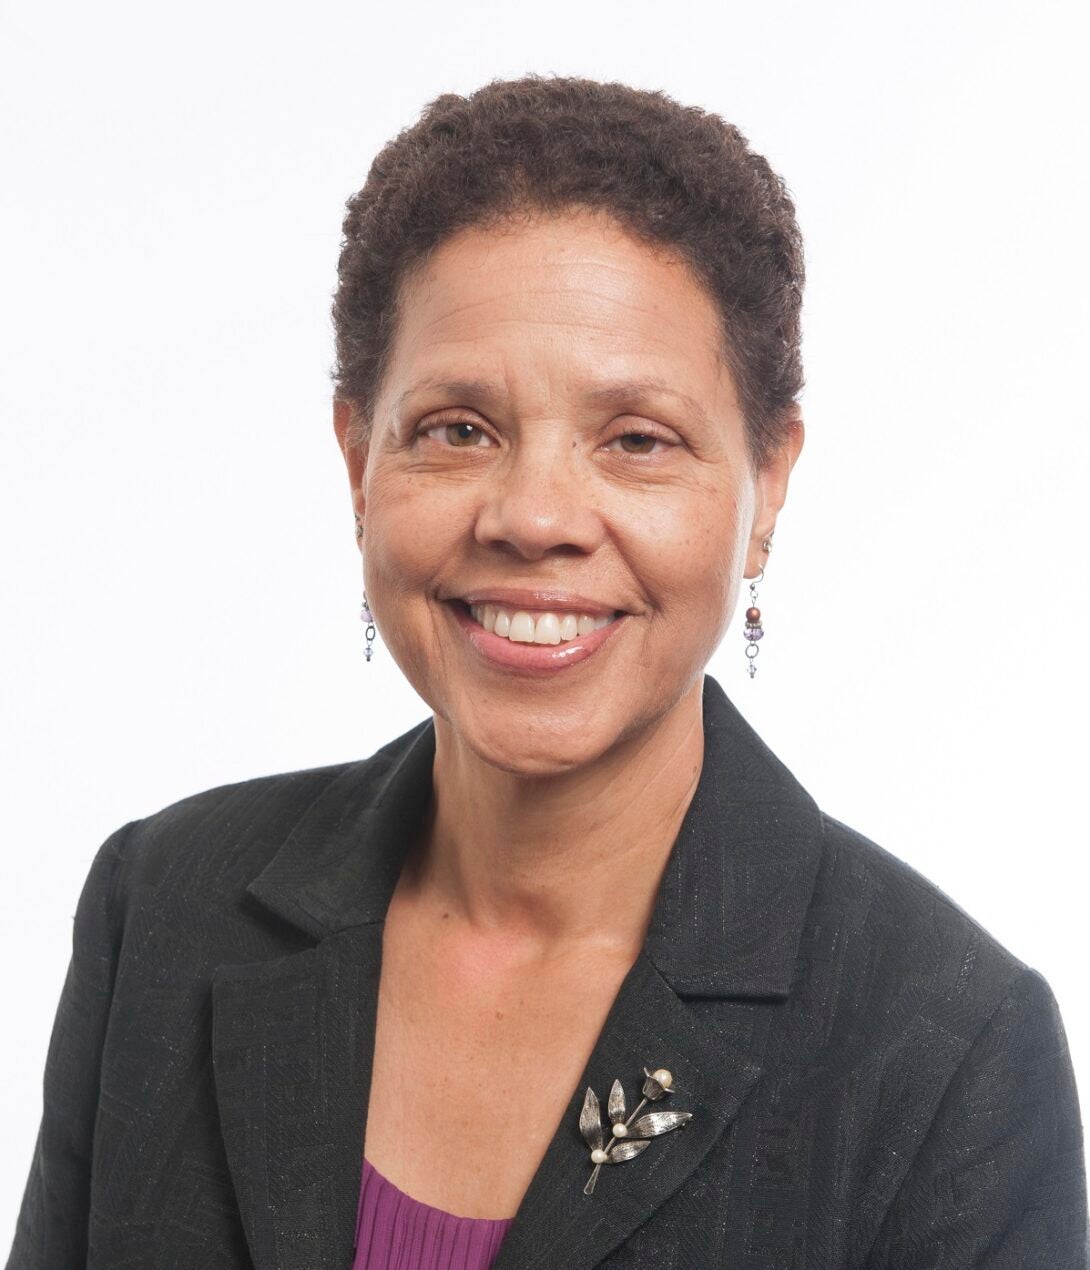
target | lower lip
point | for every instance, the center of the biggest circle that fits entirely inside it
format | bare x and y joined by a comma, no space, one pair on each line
532,659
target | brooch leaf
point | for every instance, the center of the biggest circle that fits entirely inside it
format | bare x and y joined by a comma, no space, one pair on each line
628,1137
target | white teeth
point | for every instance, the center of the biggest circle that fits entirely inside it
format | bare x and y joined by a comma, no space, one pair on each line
547,630
542,628
522,629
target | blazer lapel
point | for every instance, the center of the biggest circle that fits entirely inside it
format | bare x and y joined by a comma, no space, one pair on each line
648,1026
726,927
293,1038
292,1045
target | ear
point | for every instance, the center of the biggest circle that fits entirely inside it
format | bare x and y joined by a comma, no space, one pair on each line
346,425
771,492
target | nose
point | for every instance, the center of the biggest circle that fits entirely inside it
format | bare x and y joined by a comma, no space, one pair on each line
540,500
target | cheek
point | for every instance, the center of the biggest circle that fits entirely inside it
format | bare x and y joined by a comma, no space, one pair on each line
687,552
407,531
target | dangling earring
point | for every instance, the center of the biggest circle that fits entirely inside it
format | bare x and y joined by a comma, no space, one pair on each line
754,629
369,630
365,610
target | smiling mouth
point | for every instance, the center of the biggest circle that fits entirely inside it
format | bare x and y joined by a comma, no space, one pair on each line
523,626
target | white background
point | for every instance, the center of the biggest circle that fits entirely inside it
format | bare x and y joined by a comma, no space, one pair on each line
181,580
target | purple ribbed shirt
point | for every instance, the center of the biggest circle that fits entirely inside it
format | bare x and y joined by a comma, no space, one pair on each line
396,1232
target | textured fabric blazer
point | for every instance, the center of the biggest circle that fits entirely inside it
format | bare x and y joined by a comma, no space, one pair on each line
874,1081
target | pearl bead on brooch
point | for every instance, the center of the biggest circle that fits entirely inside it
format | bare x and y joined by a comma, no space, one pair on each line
628,1134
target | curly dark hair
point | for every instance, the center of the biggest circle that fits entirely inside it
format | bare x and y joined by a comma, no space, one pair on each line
678,177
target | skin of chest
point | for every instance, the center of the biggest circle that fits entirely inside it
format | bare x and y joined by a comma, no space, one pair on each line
477,1052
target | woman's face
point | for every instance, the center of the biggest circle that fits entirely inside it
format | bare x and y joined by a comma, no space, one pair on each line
557,433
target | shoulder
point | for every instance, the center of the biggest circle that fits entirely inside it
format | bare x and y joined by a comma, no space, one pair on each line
912,986
889,888
910,937
217,839
956,1054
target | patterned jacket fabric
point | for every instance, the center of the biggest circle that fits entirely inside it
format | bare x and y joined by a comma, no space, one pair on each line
874,1081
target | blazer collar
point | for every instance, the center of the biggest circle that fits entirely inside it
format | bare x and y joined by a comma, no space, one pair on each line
293,1037
730,907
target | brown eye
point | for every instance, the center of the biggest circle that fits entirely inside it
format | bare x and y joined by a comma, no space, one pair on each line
638,442
463,435
459,434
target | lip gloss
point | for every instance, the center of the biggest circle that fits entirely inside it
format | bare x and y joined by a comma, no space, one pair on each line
531,659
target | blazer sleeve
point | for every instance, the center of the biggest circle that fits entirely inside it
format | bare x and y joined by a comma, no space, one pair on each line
999,1180
52,1227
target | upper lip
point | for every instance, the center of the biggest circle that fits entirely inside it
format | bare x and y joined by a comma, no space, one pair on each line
538,599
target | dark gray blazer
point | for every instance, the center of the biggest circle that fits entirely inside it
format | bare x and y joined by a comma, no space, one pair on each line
874,1080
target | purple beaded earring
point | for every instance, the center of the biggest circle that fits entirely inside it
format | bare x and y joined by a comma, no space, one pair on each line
369,630
754,629
365,611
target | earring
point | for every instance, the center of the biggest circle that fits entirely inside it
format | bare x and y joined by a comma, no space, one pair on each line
754,629
369,630
365,610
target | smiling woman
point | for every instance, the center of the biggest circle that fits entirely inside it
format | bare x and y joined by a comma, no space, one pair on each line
567,442
356,1016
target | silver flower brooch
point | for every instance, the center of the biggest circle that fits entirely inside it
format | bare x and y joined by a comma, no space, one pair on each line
629,1136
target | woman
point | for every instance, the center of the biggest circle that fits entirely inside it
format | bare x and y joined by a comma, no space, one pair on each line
574,973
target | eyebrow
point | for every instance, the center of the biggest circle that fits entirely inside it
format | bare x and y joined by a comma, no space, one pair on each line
479,388
616,393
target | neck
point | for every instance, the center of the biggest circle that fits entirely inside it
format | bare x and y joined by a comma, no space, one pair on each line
573,860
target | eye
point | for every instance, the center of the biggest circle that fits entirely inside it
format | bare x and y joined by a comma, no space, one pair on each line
641,442
460,435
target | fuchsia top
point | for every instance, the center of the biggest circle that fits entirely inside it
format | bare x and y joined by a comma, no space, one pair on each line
396,1232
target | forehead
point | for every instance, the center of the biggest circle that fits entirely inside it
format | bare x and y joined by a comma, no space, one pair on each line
574,299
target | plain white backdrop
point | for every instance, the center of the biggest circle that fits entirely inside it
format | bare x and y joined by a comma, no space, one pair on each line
181,580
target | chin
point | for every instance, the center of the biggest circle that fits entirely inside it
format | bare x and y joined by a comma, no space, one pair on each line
534,765
530,747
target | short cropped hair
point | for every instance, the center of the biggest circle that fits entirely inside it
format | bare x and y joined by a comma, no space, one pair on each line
677,177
